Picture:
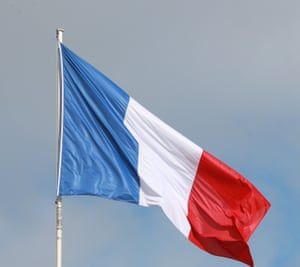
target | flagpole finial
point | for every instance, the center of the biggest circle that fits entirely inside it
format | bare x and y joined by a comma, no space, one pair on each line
59,34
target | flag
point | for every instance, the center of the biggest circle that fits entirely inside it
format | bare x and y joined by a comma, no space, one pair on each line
113,147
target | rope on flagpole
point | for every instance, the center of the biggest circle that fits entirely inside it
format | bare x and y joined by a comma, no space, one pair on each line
58,202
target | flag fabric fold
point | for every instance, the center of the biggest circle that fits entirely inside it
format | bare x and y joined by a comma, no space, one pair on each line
113,147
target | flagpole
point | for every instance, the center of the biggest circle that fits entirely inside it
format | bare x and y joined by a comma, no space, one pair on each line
58,202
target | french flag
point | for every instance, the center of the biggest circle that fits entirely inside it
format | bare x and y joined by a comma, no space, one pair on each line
112,147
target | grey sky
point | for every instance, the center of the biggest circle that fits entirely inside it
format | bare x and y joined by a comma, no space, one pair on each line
224,73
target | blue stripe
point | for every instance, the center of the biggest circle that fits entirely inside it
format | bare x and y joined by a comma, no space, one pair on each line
99,155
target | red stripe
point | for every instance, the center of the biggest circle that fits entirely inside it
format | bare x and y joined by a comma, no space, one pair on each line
223,210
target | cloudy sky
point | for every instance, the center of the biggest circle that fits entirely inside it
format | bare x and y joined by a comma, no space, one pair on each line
224,73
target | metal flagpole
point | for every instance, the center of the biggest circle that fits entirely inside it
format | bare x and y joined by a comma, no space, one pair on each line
58,232
58,202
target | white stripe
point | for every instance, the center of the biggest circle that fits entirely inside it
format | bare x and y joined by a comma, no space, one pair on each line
167,164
